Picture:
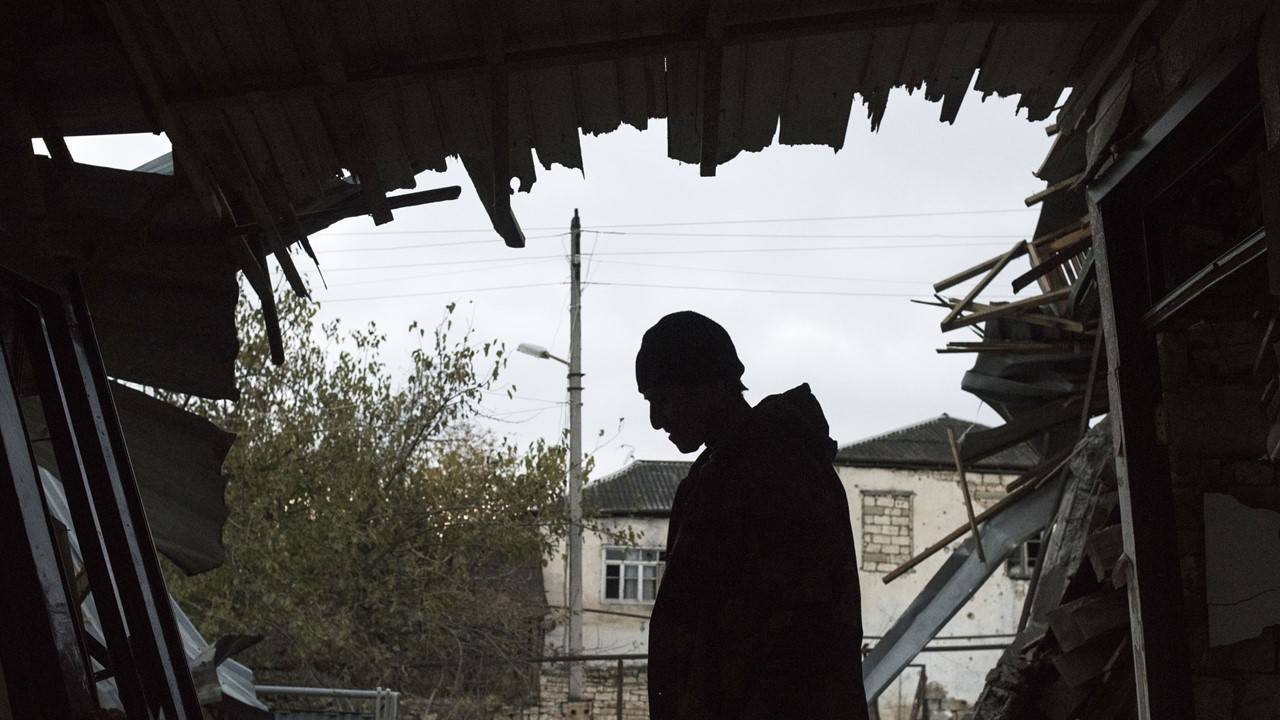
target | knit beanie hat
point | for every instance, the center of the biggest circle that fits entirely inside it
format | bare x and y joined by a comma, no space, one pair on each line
686,348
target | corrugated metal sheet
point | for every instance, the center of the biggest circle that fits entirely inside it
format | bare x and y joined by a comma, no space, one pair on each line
273,103
177,458
924,445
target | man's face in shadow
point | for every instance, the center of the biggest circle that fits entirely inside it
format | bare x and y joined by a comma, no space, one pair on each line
685,412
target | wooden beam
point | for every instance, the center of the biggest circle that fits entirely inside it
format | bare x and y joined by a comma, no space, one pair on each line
966,274
1030,318
1018,248
1056,260
964,491
992,312
1161,672
1238,257
1053,189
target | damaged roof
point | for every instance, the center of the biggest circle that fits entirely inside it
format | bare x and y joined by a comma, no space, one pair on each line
267,107
924,445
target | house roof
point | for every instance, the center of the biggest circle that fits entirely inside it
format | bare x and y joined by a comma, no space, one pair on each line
645,487
648,487
924,445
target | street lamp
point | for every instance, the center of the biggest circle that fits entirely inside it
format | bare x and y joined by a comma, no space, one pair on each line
539,352
574,627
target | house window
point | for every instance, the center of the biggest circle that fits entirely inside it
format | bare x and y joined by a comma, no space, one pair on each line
886,530
632,574
1021,565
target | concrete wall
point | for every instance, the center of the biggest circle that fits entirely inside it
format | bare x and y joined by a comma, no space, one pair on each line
602,633
936,508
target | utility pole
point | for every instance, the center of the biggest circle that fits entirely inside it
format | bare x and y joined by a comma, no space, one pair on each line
575,457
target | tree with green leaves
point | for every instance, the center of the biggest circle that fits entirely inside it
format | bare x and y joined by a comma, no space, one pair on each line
377,536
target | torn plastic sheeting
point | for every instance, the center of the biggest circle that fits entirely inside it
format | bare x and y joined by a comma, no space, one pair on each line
954,583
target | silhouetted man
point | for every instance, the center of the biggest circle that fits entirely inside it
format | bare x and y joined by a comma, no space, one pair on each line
758,615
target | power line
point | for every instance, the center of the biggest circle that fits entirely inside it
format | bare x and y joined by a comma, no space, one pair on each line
423,276
879,216
444,292
812,236
725,251
750,221
764,274
412,246
753,290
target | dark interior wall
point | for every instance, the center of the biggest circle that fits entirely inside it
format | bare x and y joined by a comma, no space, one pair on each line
1216,428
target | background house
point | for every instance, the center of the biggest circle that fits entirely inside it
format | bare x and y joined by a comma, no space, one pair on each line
902,494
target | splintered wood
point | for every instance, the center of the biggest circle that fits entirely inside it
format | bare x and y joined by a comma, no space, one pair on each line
1056,265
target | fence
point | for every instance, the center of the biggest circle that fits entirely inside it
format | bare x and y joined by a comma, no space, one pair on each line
382,703
625,702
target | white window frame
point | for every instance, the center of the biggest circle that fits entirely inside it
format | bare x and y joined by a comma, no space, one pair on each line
639,558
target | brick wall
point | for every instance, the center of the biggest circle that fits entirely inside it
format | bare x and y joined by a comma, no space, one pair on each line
600,685
886,530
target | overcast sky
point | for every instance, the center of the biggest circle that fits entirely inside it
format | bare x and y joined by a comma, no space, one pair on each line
836,318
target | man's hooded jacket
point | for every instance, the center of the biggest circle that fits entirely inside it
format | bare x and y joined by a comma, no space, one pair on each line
759,615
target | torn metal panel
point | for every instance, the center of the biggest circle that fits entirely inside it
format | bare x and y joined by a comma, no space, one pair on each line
177,458
1242,578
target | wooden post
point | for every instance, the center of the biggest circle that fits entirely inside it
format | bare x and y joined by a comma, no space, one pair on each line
964,490
1161,673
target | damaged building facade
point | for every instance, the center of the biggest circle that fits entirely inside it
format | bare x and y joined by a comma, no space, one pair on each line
901,490
1153,278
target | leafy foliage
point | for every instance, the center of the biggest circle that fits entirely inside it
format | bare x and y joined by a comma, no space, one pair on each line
376,537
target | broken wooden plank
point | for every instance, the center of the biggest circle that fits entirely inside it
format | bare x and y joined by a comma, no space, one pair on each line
1238,257
1029,348
1018,248
964,491
1034,318
1058,232
967,274
1053,189
1060,242
1011,308
1056,259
